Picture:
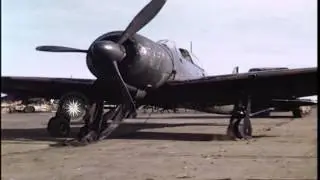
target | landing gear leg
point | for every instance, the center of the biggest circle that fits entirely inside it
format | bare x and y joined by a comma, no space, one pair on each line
132,115
116,118
240,124
97,126
93,120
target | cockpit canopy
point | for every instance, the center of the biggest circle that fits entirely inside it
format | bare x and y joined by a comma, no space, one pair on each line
186,55
183,53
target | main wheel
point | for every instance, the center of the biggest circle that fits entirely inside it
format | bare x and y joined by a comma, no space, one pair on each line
58,126
240,131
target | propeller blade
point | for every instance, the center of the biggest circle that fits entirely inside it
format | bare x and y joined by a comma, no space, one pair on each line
125,92
142,18
59,49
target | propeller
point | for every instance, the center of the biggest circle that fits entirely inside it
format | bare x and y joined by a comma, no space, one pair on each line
59,49
115,51
142,18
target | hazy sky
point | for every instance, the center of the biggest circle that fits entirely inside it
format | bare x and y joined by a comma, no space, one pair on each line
247,33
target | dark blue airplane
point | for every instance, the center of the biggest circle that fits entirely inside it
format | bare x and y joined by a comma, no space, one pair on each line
132,71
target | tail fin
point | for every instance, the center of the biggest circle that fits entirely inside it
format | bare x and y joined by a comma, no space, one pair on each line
235,70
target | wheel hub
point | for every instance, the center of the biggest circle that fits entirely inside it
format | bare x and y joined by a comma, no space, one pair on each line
74,108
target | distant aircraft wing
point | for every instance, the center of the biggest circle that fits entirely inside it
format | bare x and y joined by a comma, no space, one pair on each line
226,89
43,87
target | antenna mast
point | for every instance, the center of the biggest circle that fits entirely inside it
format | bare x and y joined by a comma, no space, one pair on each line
191,46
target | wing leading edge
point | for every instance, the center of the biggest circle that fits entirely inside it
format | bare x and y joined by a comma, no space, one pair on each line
226,89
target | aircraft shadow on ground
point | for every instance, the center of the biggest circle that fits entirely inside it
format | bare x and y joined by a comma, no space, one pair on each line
209,117
174,117
178,136
273,117
41,134
125,131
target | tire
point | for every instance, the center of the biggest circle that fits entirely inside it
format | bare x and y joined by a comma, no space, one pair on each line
59,127
29,109
240,131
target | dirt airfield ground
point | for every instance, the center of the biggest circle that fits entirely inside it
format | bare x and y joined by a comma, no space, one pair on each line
165,146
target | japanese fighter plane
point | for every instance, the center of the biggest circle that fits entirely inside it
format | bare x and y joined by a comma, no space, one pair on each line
131,70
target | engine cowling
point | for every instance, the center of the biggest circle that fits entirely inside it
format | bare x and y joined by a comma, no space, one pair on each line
146,63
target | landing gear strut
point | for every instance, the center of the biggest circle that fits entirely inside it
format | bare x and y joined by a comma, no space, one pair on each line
99,126
240,124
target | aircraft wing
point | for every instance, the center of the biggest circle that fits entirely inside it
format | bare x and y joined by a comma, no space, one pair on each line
43,87
226,89
222,89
